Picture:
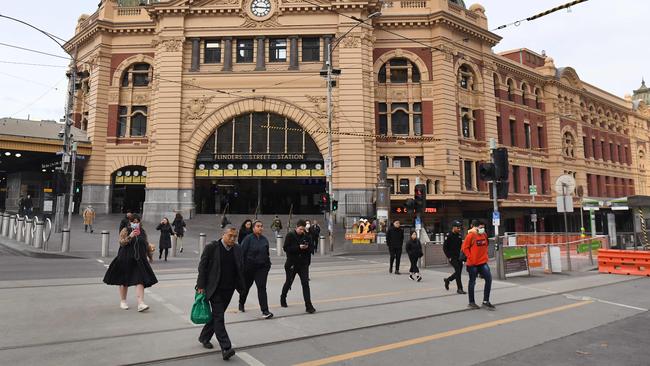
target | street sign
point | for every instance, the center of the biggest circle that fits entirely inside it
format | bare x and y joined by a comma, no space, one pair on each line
533,217
564,203
328,167
532,190
418,223
496,218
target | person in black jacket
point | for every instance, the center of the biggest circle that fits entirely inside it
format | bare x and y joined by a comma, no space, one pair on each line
179,230
298,246
257,264
395,240
414,251
451,247
220,273
245,229
165,241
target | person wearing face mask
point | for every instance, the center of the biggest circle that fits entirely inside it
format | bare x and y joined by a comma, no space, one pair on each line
451,247
475,248
131,265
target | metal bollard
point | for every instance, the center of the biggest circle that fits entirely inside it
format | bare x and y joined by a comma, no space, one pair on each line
38,238
5,224
321,245
201,243
174,240
27,239
105,240
568,256
19,228
278,245
65,243
12,227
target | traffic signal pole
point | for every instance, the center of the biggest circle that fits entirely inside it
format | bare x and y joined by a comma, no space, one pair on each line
495,209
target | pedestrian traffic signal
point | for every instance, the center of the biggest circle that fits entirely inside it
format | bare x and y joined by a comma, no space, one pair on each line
501,167
420,198
502,190
335,205
486,171
410,204
61,183
325,202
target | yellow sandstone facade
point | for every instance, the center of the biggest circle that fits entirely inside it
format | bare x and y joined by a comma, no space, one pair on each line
419,86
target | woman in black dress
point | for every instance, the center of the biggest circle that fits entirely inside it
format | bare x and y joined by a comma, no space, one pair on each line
179,230
414,250
245,229
131,265
165,242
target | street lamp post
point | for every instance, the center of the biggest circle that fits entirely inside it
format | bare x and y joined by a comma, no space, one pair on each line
329,162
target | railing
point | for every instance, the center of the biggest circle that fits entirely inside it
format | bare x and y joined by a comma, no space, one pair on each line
129,11
413,4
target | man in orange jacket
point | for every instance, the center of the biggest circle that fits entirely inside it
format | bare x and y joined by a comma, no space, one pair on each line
475,248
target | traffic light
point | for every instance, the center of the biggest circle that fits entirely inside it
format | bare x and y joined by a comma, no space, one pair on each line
325,202
410,204
502,190
501,168
420,198
486,171
61,184
335,205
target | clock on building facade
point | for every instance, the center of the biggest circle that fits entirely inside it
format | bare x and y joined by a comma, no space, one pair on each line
261,8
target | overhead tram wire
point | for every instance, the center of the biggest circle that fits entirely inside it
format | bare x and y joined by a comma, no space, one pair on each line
35,51
30,64
539,15
54,87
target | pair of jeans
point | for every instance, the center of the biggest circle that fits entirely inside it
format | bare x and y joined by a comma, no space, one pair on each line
473,271
86,227
414,264
395,256
259,275
302,270
219,303
458,270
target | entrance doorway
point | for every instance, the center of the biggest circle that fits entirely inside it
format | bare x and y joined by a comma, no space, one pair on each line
128,189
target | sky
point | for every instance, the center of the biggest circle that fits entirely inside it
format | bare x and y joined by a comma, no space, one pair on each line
605,41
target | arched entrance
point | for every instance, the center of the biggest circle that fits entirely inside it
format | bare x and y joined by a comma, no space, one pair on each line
259,162
128,189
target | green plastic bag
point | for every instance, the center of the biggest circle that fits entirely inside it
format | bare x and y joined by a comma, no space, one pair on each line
201,313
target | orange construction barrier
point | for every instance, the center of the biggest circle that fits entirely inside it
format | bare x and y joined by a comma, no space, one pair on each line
626,262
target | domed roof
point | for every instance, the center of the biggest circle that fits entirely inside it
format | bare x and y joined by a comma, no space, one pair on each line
459,3
642,88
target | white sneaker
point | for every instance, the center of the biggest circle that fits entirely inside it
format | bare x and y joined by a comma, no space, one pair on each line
142,307
124,305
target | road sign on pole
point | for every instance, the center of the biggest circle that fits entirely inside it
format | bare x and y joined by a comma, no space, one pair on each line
532,190
496,218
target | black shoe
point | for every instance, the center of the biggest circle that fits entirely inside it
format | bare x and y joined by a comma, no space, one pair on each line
207,345
310,309
390,270
472,306
242,309
283,302
487,306
92,231
181,250
227,353
165,259
461,292
159,257
446,284
397,273
267,314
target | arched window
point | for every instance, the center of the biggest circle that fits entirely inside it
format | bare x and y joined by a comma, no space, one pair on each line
137,75
131,118
466,78
568,145
538,98
132,121
524,89
398,71
496,85
437,188
402,115
511,90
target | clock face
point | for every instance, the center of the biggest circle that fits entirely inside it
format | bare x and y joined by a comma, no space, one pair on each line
261,8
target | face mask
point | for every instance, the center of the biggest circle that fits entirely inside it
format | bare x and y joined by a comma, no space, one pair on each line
481,230
307,226
134,225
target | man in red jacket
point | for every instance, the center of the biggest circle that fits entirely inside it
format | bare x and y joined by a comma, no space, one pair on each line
475,248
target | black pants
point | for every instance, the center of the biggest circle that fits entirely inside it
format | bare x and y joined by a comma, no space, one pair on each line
166,251
458,269
395,256
258,275
414,264
219,303
302,270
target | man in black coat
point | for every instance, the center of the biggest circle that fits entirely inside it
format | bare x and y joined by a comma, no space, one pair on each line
298,246
451,247
257,264
395,241
221,272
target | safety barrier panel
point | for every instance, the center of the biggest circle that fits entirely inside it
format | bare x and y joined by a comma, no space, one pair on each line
625,262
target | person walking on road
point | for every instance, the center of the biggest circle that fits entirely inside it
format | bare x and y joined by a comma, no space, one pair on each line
298,247
414,251
89,218
179,230
165,241
475,248
220,273
245,229
276,225
257,264
451,247
395,240
131,265
314,230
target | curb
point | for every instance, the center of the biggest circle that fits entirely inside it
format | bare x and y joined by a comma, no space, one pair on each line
23,249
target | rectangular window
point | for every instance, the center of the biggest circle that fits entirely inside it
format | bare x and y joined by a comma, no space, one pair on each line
401,162
625,152
404,186
278,50
515,178
611,152
529,170
602,150
417,119
544,174
311,49
499,130
468,176
400,123
242,133
398,75
527,134
419,161
593,147
244,50
212,52
584,145
391,185
465,123
621,159
138,121
513,132
540,136
122,115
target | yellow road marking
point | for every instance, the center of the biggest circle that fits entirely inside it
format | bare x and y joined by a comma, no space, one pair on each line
433,337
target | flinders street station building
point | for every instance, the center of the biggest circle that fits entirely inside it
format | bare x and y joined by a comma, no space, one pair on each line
198,106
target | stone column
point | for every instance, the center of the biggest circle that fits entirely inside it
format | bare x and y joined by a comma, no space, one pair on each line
196,54
293,52
260,64
326,56
227,53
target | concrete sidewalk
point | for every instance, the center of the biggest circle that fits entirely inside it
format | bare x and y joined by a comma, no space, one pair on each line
78,321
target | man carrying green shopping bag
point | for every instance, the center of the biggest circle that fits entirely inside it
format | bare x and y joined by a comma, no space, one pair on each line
220,274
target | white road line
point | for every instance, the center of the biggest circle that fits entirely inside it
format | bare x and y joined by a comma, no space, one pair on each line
252,361
100,261
588,298
196,252
105,265
173,308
